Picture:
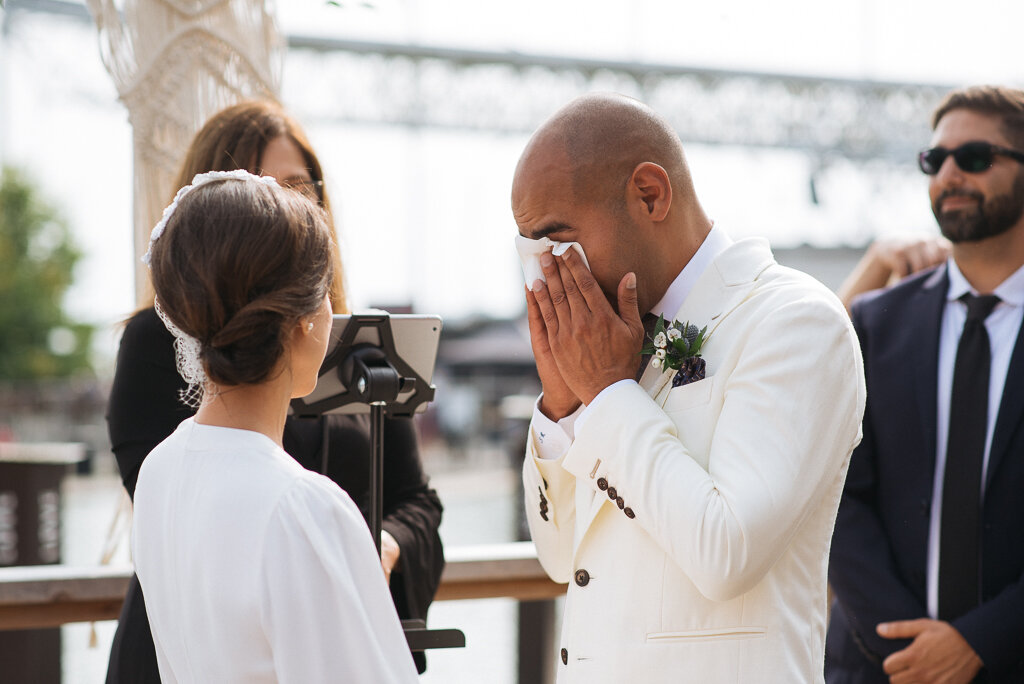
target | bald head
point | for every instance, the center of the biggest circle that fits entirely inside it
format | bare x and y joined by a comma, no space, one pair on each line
601,138
609,173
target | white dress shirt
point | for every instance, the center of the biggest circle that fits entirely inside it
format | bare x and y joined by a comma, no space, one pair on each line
258,570
1002,325
553,439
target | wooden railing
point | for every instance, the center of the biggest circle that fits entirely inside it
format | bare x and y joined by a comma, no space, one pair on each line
52,595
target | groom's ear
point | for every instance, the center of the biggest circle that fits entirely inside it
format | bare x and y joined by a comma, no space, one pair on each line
649,192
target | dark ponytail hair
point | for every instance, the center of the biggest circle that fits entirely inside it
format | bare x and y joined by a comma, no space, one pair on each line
239,263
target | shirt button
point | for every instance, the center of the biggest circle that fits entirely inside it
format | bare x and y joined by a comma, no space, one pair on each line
565,657
619,502
602,483
582,578
612,493
629,512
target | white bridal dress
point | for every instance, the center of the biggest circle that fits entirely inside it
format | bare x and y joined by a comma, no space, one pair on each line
258,570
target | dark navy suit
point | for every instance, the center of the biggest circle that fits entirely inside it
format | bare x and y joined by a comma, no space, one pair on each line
879,551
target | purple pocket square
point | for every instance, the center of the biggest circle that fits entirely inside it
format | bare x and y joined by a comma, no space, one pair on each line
692,370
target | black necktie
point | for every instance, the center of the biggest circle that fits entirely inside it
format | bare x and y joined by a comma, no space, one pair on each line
649,320
959,586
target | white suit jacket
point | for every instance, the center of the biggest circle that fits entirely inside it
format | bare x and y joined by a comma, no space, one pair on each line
693,523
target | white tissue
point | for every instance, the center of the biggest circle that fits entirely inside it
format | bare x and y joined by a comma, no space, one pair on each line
530,251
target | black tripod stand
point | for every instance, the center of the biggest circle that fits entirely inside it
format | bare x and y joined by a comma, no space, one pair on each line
373,374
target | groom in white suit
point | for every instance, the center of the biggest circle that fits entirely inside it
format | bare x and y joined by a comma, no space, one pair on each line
691,519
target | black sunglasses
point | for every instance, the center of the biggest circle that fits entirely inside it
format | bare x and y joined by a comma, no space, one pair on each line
972,157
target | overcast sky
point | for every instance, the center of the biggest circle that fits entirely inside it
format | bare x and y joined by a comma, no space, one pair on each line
943,41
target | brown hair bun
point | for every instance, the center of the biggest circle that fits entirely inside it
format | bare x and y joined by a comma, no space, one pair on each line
239,263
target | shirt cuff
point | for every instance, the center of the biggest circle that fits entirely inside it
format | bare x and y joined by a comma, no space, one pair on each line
552,439
588,410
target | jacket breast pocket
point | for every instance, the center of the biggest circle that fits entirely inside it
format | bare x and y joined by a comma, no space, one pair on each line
689,396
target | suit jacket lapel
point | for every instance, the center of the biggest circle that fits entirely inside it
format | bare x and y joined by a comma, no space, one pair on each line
1011,408
720,289
931,303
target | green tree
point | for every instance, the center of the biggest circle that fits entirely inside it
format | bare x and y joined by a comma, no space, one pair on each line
37,258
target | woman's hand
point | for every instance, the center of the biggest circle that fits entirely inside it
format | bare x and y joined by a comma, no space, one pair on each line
389,554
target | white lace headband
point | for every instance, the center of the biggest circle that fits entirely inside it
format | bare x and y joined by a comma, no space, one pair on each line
199,180
186,347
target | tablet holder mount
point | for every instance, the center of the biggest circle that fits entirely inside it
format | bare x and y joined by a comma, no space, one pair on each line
371,370
377,376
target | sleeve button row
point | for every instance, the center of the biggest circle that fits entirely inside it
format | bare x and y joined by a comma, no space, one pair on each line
602,484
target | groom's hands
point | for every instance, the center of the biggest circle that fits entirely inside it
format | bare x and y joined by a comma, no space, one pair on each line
556,400
581,345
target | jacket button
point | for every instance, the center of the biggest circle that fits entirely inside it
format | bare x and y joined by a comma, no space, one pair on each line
565,657
612,493
629,512
544,516
602,483
619,502
582,578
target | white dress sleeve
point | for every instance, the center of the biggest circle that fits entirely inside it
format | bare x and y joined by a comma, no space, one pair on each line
325,606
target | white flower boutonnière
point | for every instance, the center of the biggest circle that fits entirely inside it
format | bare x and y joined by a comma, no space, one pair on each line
677,347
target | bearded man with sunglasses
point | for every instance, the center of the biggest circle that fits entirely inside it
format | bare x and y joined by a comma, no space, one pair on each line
927,560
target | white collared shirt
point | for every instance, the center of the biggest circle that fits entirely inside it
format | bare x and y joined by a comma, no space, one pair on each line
1002,325
553,439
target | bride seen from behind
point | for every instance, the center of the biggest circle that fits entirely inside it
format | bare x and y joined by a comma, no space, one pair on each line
254,568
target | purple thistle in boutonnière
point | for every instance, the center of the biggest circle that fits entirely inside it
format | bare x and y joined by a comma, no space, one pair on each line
677,347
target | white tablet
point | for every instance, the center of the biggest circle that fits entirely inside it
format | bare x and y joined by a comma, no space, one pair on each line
415,338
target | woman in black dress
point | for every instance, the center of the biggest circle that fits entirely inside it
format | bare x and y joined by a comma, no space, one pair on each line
146,401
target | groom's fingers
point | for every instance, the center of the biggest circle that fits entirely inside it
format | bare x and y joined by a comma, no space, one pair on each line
577,304
629,311
589,290
538,330
555,292
545,309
